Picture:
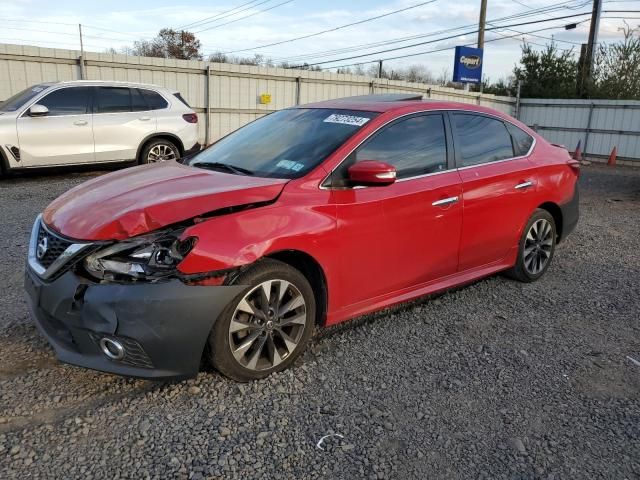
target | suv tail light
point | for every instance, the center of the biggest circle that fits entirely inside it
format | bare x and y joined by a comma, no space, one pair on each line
575,166
190,117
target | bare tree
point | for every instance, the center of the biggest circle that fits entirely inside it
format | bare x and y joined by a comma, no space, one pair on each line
170,44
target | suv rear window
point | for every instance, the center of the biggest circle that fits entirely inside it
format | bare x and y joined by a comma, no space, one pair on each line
113,99
154,100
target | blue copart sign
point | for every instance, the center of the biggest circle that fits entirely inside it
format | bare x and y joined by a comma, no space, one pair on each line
467,67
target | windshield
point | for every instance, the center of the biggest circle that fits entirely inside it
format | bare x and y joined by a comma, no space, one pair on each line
19,99
284,144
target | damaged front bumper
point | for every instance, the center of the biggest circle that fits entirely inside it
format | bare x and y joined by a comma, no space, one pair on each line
161,327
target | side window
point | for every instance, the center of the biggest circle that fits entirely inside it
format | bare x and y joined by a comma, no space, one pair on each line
137,101
415,146
522,141
113,100
67,101
154,100
481,139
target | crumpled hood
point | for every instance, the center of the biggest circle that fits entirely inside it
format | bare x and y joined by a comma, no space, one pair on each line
138,200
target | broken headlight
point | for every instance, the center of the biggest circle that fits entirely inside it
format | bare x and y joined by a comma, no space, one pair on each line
147,257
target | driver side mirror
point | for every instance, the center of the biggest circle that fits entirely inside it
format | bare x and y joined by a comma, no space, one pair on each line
38,110
372,173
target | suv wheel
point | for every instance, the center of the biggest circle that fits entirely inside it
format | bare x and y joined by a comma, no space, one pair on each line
265,328
159,151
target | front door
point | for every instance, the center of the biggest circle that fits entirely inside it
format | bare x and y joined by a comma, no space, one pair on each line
403,235
63,136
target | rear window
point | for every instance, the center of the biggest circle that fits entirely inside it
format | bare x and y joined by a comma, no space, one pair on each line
522,141
154,100
113,100
482,139
179,97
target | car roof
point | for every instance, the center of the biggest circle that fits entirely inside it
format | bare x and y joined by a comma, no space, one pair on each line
386,103
111,83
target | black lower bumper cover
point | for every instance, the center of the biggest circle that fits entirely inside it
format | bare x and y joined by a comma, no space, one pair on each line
570,214
163,326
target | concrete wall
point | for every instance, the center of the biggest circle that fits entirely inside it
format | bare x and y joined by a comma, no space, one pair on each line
226,96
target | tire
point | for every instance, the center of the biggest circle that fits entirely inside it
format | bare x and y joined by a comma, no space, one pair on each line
158,151
537,246
265,340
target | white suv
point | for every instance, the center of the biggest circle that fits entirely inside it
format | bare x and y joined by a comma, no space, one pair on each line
85,122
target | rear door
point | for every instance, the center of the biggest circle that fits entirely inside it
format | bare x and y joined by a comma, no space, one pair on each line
122,119
403,235
62,137
499,186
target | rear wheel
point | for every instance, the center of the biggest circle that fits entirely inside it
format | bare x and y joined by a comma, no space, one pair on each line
265,328
159,151
537,247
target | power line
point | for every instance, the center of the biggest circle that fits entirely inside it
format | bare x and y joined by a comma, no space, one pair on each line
220,15
447,38
246,16
335,28
443,49
326,53
63,33
453,36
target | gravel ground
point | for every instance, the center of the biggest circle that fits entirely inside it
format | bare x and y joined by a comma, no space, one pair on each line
496,380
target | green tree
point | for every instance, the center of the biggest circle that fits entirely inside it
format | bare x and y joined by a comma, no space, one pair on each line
616,69
169,44
550,73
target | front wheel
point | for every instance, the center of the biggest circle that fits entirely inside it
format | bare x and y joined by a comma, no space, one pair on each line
537,246
265,328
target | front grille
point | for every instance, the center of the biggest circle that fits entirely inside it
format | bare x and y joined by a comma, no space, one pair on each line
55,246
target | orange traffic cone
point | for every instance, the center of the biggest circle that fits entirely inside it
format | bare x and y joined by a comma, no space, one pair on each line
577,155
612,157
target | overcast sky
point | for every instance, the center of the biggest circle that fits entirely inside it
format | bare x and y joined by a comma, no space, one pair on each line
53,24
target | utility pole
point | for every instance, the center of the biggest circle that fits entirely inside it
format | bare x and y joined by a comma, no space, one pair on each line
481,25
82,73
379,68
589,52
483,19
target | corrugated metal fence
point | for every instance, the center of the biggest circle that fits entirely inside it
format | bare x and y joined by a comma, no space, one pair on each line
227,96
598,125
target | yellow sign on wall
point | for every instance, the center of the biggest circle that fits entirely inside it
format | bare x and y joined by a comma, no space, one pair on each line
265,98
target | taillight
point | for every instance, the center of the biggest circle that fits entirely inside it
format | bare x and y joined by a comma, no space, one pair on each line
190,117
575,166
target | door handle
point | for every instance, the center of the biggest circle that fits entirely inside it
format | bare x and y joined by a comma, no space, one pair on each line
80,123
445,201
522,185
144,119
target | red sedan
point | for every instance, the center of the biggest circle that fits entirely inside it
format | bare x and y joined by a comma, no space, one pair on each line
308,216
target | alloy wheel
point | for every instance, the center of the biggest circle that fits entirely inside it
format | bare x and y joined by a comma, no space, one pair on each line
267,325
538,246
161,153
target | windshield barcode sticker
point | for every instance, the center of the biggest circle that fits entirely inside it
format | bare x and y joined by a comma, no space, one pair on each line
290,165
346,119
